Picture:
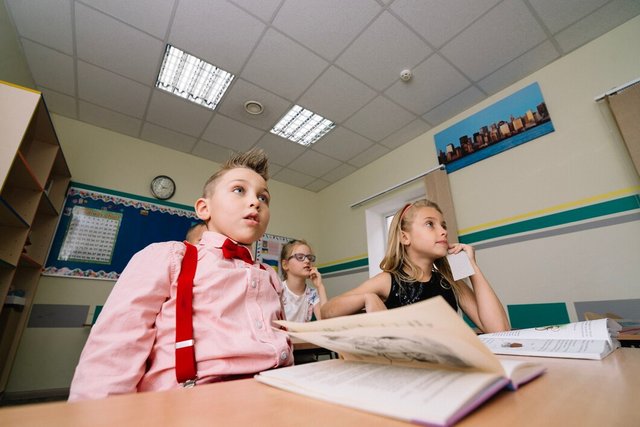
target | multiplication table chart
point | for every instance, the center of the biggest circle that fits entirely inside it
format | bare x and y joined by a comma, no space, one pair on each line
91,236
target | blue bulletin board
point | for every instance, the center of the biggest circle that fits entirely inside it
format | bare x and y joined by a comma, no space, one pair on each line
100,230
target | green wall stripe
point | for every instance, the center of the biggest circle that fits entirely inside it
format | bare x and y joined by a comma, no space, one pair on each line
345,265
610,207
579,214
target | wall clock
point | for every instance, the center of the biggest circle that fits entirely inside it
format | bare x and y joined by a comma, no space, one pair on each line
163,187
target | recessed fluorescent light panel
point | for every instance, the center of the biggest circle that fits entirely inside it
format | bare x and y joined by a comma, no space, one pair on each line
302,126
192,78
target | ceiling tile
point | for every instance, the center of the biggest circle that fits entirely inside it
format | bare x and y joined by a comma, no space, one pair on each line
369,156
557,15
465,99
241,91
519,68
225,34
230,133
433,81
263,9
167,138
383,50
292,177
151,16
313,163
333,57
379,119
438,21
483,47
59,103
107,43
210,151
109,90
292,68
598,23
281,149
274,168
317,185
325,26
340,172
341,143
172,112
48,23
406,134
50,68
336,95
107,119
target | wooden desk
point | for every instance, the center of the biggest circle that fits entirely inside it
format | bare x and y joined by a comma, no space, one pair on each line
571,393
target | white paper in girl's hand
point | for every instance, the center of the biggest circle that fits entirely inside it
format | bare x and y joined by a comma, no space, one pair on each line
460,265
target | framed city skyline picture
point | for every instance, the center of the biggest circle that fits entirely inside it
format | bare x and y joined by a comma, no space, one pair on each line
512,121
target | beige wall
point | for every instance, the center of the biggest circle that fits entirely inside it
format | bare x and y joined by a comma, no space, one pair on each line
13,67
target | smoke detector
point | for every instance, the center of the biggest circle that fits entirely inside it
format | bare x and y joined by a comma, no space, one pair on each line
253,107
405,75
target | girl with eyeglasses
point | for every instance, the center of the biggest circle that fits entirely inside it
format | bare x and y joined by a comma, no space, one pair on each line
301,301
415,268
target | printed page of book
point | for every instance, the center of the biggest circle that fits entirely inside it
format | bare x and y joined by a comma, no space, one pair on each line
520,372
432,317
408,345
436,397
573,349
600,329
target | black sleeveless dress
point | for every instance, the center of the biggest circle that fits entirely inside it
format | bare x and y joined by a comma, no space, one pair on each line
412,292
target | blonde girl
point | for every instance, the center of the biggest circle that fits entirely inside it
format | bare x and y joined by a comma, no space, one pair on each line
299,300
415,268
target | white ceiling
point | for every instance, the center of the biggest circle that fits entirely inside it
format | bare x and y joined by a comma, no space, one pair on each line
97,61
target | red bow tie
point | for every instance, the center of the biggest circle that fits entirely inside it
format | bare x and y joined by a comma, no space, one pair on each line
231,249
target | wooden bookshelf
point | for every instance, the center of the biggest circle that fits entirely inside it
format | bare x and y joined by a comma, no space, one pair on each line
35,177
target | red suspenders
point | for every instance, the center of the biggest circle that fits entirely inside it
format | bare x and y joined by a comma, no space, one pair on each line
186,373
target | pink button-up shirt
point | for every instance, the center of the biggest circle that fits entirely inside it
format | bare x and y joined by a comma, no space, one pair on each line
132,345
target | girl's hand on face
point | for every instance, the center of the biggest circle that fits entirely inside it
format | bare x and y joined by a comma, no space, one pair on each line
459,247
315,277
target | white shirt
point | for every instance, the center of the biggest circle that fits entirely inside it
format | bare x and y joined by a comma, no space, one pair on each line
299,308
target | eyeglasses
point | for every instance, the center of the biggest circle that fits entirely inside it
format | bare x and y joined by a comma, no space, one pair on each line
301,257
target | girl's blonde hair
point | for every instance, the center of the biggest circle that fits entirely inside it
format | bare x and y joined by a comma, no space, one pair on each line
287,250
396,262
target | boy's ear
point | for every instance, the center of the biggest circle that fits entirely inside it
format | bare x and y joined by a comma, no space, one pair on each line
202,209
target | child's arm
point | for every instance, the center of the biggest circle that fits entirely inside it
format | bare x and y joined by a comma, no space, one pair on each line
316,280
114,358
481,304
369,296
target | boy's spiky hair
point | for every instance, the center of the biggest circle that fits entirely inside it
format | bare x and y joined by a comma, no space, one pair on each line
255,159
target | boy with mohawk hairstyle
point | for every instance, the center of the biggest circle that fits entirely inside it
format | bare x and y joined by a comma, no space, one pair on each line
144,341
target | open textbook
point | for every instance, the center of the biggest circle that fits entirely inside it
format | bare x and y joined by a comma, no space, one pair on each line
591,339
419,363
